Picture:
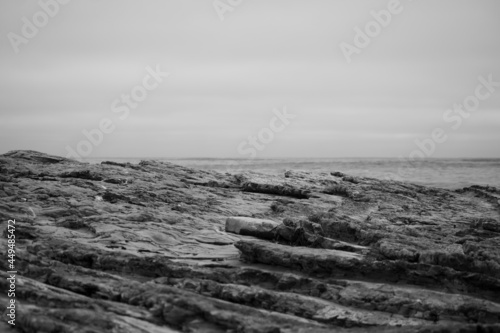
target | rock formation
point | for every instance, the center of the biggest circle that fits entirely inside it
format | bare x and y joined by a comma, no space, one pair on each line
157,247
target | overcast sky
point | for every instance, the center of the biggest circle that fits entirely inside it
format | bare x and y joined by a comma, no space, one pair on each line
227,76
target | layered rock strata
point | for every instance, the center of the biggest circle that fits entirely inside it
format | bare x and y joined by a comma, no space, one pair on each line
157,247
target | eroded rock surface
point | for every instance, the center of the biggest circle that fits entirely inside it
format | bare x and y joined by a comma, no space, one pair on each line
145,248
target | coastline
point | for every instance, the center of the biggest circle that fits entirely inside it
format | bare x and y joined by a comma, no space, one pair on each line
122,246
449,173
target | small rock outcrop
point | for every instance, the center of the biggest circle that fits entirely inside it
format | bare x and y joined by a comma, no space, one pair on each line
251,227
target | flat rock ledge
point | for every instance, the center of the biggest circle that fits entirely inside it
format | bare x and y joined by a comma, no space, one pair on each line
157,247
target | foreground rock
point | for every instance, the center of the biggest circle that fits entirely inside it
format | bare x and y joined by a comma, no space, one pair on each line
156,247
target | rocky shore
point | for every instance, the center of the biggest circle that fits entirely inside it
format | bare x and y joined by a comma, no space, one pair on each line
157,247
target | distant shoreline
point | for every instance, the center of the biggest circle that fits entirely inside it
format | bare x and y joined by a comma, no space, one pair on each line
450,173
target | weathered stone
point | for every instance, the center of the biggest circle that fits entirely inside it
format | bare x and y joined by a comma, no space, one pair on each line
251,227
284,190
152,255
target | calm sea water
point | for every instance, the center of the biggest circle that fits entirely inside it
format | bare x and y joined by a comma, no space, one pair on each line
446,173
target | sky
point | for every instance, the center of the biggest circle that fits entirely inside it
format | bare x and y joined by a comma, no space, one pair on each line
235,65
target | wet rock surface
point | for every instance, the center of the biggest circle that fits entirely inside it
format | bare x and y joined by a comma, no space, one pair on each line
157,247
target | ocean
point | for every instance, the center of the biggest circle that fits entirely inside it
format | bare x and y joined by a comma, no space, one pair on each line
444,173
